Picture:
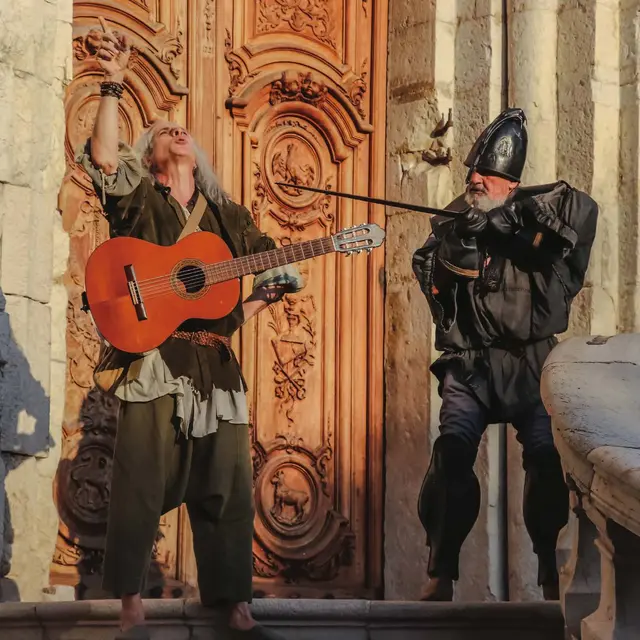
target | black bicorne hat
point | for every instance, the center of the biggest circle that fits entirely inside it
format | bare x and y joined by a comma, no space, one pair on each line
501,149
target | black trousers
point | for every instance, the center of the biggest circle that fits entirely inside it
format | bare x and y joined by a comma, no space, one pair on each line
450,497
155,469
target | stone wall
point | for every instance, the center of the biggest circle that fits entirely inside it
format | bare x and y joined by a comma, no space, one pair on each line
572,65
35,59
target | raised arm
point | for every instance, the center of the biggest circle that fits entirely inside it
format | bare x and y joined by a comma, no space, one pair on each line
113,56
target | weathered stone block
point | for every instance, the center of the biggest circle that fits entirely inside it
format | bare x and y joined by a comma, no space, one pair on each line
446,12
22,143
412,55
26,259
25,340
32,522
15,204
6,117
20,27
63,53
407,13
409,124
531,6
44,23
65,11
43,214
474,55
470,10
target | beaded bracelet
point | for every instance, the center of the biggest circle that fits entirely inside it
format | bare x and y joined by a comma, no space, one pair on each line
114,89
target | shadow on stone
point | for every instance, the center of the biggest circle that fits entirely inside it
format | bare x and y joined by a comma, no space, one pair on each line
82,494
24,429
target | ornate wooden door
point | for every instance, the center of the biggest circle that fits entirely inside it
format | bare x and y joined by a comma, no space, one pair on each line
306,99
278,90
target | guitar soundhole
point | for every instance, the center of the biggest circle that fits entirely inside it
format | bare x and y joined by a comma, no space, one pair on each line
192,278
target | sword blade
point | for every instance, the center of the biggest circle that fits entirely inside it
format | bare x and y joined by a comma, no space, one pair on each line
387,203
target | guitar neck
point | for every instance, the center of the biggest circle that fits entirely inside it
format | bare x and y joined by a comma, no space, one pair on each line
257,262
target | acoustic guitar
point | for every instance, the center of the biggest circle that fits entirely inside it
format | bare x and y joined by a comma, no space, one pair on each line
139,293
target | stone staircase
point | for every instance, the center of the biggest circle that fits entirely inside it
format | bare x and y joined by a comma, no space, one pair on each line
295,619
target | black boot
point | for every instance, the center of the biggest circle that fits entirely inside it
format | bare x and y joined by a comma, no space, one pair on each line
546,512
449,504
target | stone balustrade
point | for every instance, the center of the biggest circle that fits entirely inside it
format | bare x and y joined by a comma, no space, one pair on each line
591,388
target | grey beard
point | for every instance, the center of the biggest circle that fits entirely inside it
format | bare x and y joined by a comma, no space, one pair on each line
484,203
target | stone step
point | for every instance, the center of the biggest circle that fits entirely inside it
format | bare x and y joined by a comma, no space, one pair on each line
294,619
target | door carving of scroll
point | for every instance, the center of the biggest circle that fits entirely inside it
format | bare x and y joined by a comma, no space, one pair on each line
153,89
306,106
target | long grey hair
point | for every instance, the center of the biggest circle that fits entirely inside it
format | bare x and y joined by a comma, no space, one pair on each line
205,177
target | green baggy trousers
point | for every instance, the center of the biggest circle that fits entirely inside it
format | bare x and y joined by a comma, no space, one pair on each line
156,469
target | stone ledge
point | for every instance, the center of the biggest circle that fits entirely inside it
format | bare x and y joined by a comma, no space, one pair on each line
299,619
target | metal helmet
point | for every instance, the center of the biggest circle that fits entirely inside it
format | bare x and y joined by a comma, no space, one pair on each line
501,149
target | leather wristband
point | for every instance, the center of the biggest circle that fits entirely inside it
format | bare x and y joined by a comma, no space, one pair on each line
114,89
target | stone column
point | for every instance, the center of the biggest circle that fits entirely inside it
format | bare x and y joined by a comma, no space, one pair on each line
35,40
629,53
532,26
532,67
420,74
479,97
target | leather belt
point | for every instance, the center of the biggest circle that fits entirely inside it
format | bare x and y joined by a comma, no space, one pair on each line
203,338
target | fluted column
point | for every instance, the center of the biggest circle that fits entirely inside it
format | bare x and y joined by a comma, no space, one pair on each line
532,37
479,97
532,67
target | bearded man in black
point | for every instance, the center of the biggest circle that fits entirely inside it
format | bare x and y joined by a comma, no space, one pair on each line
499,278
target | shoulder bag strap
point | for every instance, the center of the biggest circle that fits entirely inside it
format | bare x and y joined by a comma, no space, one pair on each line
195,217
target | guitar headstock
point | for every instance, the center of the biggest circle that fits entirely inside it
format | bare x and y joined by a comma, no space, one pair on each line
363,237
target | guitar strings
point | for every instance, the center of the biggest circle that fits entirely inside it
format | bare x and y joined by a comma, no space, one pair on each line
224,269
227,264
159,285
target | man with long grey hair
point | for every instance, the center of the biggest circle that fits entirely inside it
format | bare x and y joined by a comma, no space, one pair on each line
182,430
499,279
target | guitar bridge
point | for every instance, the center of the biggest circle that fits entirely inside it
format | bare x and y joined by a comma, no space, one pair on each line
134,292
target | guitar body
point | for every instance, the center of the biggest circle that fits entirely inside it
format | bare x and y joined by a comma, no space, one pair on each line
170,282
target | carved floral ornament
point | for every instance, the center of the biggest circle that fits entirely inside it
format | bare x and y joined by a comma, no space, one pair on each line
238,74
313,17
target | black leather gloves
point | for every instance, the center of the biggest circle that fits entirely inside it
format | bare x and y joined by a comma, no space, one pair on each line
505,220
470,224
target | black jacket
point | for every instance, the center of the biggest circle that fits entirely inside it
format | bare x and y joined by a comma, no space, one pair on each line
526,277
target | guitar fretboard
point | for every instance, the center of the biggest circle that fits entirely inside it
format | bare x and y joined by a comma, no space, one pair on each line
264,260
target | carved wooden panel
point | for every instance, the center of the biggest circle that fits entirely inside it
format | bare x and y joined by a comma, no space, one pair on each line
153,89
300,99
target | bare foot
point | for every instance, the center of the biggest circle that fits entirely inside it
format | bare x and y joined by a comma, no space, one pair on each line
438,590
132,612
241,618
